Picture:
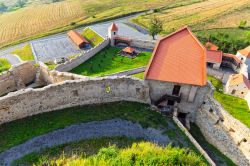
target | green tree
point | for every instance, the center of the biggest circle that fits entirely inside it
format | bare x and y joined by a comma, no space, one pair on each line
243,24
155,26
3,7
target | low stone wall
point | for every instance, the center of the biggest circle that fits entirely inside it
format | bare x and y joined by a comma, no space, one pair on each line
51,77
72,63
17,77
195,143
29,102
129,72
143,43
223,131
219,74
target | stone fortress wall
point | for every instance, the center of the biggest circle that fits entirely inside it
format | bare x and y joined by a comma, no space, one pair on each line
223,131
52,76
17,77
71,93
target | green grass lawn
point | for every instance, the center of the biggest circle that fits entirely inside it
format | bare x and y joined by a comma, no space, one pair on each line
17,132
210,149
81,148
92,37
4,65
25,53
108,151
108,61
237,107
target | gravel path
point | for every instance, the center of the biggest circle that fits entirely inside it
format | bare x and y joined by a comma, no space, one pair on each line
108,128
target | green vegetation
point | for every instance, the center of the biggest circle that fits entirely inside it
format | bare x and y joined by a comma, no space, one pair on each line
237,107
19,131
25,53
108,61
228,40
139,75
212,151
143,153
51,65
4,65
84,148
92,37
155,27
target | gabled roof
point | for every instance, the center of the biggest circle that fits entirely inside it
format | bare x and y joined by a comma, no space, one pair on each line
180,58
237,79
245,52
129,50
211,46
214,56
113,27
76,37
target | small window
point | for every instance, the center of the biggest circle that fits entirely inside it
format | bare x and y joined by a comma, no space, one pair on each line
233,92
242,92
211,110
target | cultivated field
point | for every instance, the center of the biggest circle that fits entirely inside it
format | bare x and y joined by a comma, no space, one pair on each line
43,19
200,14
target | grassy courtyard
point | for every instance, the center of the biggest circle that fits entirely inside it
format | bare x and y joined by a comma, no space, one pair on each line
19,131
92,37
4,65
113,151
25,53
108,61
237,107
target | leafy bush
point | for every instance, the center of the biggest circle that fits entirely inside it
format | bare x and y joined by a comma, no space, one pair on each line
4,65
243,24
144,153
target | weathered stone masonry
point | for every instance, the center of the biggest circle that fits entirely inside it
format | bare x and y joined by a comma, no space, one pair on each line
29,102
223,131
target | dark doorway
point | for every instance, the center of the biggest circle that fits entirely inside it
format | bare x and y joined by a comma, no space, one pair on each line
233,92
171,102
176,90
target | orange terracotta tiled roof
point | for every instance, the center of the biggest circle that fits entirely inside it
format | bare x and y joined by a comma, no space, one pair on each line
211,46
76,37
113,27
231,56
214,56
129,50
245,52
178,58
237,79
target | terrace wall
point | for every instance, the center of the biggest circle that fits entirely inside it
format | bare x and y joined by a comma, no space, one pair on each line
219,74
143,44
29,102
223,131
72,63
17,77
52,77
